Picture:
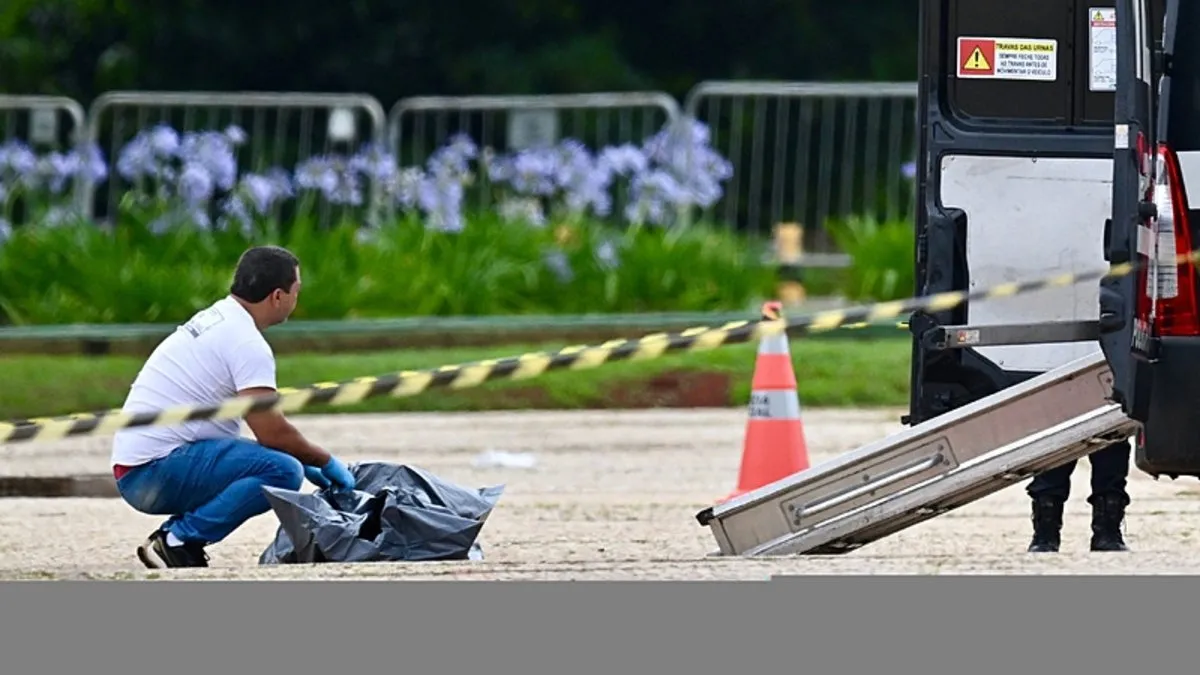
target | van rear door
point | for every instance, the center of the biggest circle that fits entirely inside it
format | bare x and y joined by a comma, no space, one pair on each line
1164,380
1016,101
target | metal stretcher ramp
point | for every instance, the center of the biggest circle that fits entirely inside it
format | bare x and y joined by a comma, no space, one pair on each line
929,469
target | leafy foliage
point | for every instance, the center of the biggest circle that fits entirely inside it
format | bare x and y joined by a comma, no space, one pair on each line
556,242
882,255
82,47
77,272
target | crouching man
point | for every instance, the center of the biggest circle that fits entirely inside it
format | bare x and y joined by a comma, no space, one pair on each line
203,474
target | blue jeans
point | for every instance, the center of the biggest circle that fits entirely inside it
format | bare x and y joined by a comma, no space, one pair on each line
210,487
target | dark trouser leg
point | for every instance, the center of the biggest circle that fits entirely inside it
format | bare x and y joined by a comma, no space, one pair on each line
1110,471
1049,491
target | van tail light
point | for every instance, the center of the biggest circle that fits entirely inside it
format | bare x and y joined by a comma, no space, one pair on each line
1166,302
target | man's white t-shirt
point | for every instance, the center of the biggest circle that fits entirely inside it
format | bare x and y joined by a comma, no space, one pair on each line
218,352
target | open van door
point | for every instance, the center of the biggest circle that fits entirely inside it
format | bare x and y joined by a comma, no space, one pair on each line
1022,117
1132,78
1163,385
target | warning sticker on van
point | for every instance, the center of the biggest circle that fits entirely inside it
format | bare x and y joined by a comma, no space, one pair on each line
1102,40
1007,59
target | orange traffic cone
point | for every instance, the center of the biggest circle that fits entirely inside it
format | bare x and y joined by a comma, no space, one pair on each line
774,445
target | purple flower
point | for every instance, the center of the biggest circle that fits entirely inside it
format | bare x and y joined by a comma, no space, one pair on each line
281,183
348,191
91,163
682,150
161,224
58,216
366,235
265,190
163,141
333,177
260,191
235,134
655,195
149,155
607,256
190,216
375,163
586,182
195,184
54,170
909,170
532,172
404,186
214,152
567,169
438,192
585,179
198,217
624,160
522,210
559,265
317,173
18,164
441,202
453,158
235,213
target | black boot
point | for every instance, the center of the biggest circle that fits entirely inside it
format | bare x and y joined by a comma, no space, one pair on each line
1047,525
1108,512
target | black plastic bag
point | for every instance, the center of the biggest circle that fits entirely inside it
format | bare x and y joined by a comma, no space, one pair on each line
395,513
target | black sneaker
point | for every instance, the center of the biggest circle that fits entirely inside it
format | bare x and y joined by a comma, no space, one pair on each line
155,553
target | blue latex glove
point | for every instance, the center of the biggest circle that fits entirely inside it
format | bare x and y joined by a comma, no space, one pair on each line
339,475
314,476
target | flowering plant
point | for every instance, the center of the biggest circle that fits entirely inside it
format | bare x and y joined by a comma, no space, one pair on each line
194,178
567,231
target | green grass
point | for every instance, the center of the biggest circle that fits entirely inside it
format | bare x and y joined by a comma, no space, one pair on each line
830,373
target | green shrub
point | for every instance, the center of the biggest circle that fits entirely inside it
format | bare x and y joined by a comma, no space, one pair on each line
882,264
76,272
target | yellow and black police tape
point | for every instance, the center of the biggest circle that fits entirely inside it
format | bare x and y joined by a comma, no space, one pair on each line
412,382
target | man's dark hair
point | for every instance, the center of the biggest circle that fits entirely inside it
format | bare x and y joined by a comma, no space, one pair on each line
261,270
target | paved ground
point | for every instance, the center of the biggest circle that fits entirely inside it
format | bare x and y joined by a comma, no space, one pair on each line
613,495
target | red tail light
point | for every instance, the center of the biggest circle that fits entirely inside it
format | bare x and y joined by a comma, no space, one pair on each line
1167,304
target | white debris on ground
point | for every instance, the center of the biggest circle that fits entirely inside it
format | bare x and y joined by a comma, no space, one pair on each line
500,459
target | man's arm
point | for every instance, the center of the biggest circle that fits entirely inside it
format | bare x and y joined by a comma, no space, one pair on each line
252,364
273,430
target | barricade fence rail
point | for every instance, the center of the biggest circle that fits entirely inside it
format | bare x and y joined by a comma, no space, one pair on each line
808,152
272,131
800,152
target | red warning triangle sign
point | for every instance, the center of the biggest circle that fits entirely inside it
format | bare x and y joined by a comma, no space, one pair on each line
977,61
976,57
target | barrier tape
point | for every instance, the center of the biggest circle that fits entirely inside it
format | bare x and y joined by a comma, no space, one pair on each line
412,382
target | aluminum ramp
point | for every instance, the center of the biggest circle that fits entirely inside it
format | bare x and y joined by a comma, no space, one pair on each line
924,471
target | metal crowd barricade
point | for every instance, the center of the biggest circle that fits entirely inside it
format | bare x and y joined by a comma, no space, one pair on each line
418,126
44,122
282,129
806,152
39,124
